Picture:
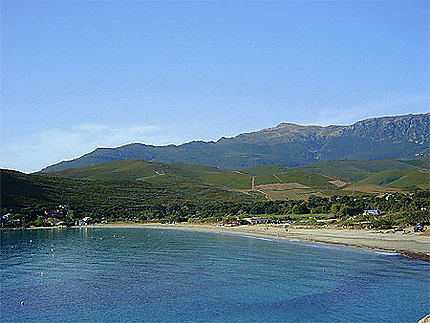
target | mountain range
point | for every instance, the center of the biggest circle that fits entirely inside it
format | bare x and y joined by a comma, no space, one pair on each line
398,137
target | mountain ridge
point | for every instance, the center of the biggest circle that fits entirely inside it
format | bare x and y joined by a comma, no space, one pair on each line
358,129
287,144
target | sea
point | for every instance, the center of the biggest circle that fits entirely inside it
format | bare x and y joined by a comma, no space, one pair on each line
169,275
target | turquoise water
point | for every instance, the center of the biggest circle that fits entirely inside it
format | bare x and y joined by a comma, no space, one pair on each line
161,275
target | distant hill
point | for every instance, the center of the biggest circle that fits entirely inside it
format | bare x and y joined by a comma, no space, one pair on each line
423,162
405,179
135,169
154,172
357,170
275,182
399,137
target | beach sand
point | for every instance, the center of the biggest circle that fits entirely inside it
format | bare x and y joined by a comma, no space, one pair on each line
413,245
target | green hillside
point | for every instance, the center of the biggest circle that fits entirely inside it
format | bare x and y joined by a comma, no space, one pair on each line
19,190
135,169
153,172
308,179
265,170
132,169
331,175
136,189
171,198
423,162
404,179
227,179
301,177
357,170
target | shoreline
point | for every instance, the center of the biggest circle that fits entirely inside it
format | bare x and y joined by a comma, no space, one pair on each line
415,246
412,245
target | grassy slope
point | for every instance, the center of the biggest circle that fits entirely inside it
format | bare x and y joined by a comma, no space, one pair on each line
135,169
356,170
317,177
131,169
265,170
348,169
157,172
406,179
19,190
423,162
308,179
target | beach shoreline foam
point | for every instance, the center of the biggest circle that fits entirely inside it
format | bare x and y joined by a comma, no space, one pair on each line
416,246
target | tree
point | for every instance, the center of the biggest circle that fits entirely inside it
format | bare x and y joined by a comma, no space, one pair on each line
40,221
301,208
335,208
69,219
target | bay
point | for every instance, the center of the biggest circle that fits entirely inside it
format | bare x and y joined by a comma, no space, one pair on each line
166,275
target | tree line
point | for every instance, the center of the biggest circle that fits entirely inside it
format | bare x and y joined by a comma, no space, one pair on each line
393,208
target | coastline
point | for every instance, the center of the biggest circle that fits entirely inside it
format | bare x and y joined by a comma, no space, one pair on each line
416,246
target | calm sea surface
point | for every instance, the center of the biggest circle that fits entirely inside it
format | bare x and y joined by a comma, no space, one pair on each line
139,274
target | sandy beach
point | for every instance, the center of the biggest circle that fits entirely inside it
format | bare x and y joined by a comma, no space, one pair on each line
413,245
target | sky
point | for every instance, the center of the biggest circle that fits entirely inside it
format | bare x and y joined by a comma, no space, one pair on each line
80,75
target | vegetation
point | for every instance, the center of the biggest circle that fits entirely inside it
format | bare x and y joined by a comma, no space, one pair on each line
265,170
357,170
408,179
31,195
320,178
136,190
26,197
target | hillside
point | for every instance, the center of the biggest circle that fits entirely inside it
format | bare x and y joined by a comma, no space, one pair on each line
406,179
274,182
400,137
148,190
356,170
423,162
132,169
20,189
135,169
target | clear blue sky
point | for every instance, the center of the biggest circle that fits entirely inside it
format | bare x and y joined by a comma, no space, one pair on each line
78,75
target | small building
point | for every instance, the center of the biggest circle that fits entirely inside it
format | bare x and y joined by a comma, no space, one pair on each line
54,213
65,207
85,221
6,217
371,212
254,220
